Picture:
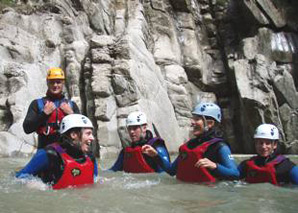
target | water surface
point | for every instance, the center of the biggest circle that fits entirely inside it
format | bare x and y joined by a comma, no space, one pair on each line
121,192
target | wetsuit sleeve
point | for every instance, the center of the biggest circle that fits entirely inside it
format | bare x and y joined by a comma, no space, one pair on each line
294,175
170,168
162,159
95,171
118,165
241,169
173,168
227,166
38,163
34,118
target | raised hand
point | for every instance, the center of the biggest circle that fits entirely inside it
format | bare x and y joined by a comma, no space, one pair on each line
149,150
66,108
49,107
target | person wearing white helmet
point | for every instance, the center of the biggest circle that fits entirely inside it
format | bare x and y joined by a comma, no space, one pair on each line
67,163
268,166
137,158
206,157
44,114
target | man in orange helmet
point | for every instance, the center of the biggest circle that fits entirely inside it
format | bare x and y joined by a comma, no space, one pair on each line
45,114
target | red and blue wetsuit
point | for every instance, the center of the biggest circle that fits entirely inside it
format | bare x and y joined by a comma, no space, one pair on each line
132,160
205,147
46,125
275,169
61,166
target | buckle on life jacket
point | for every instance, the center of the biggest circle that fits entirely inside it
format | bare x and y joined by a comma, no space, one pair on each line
49,126
47,130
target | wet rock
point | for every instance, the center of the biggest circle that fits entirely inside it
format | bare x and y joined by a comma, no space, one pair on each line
161,57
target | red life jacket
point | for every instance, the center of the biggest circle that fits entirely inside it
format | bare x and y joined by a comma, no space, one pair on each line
262,174
51,127
134,161
75,174
186,170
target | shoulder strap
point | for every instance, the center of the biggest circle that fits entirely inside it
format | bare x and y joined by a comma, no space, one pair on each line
278,159
215,140
57,148
154,140
59,101
40,104
70,102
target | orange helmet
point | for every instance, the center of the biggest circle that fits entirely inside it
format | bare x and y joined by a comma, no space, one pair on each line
55,73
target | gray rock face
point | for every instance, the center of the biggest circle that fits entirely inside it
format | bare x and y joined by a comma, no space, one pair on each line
158,56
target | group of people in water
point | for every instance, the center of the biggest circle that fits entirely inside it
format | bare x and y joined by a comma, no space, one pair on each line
63,158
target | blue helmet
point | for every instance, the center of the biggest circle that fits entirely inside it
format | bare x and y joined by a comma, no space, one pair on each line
208,109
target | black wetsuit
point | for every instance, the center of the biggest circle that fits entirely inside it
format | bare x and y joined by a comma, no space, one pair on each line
36,118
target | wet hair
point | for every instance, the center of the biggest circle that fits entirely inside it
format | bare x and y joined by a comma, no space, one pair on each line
66,136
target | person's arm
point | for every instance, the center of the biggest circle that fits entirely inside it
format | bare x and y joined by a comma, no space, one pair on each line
162,158
118,165
167,166
69,107
294,175
95,171
38,163
173,169
227,167
241,169
34,118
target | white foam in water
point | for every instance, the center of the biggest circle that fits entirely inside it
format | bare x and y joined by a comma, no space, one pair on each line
34,183
137,184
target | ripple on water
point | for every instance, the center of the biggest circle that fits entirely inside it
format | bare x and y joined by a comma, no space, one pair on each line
131,181
122,192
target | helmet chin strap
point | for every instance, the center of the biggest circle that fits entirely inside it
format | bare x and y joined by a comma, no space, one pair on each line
143,136
206,128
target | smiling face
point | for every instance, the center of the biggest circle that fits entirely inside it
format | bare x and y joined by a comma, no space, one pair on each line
198,124
265,147
137,132
55,86
86,139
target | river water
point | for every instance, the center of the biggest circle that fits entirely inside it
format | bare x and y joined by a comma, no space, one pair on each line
118,192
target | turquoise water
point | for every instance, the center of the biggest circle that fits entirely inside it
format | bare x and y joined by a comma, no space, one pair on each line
121,192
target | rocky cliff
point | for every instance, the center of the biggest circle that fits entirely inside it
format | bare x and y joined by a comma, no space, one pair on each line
158,56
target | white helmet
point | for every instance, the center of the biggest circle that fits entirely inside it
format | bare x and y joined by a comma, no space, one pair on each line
136,118
208,109
74,121
267,131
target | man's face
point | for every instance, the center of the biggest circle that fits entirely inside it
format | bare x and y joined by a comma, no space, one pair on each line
265,147
55,86
136,133
86,139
